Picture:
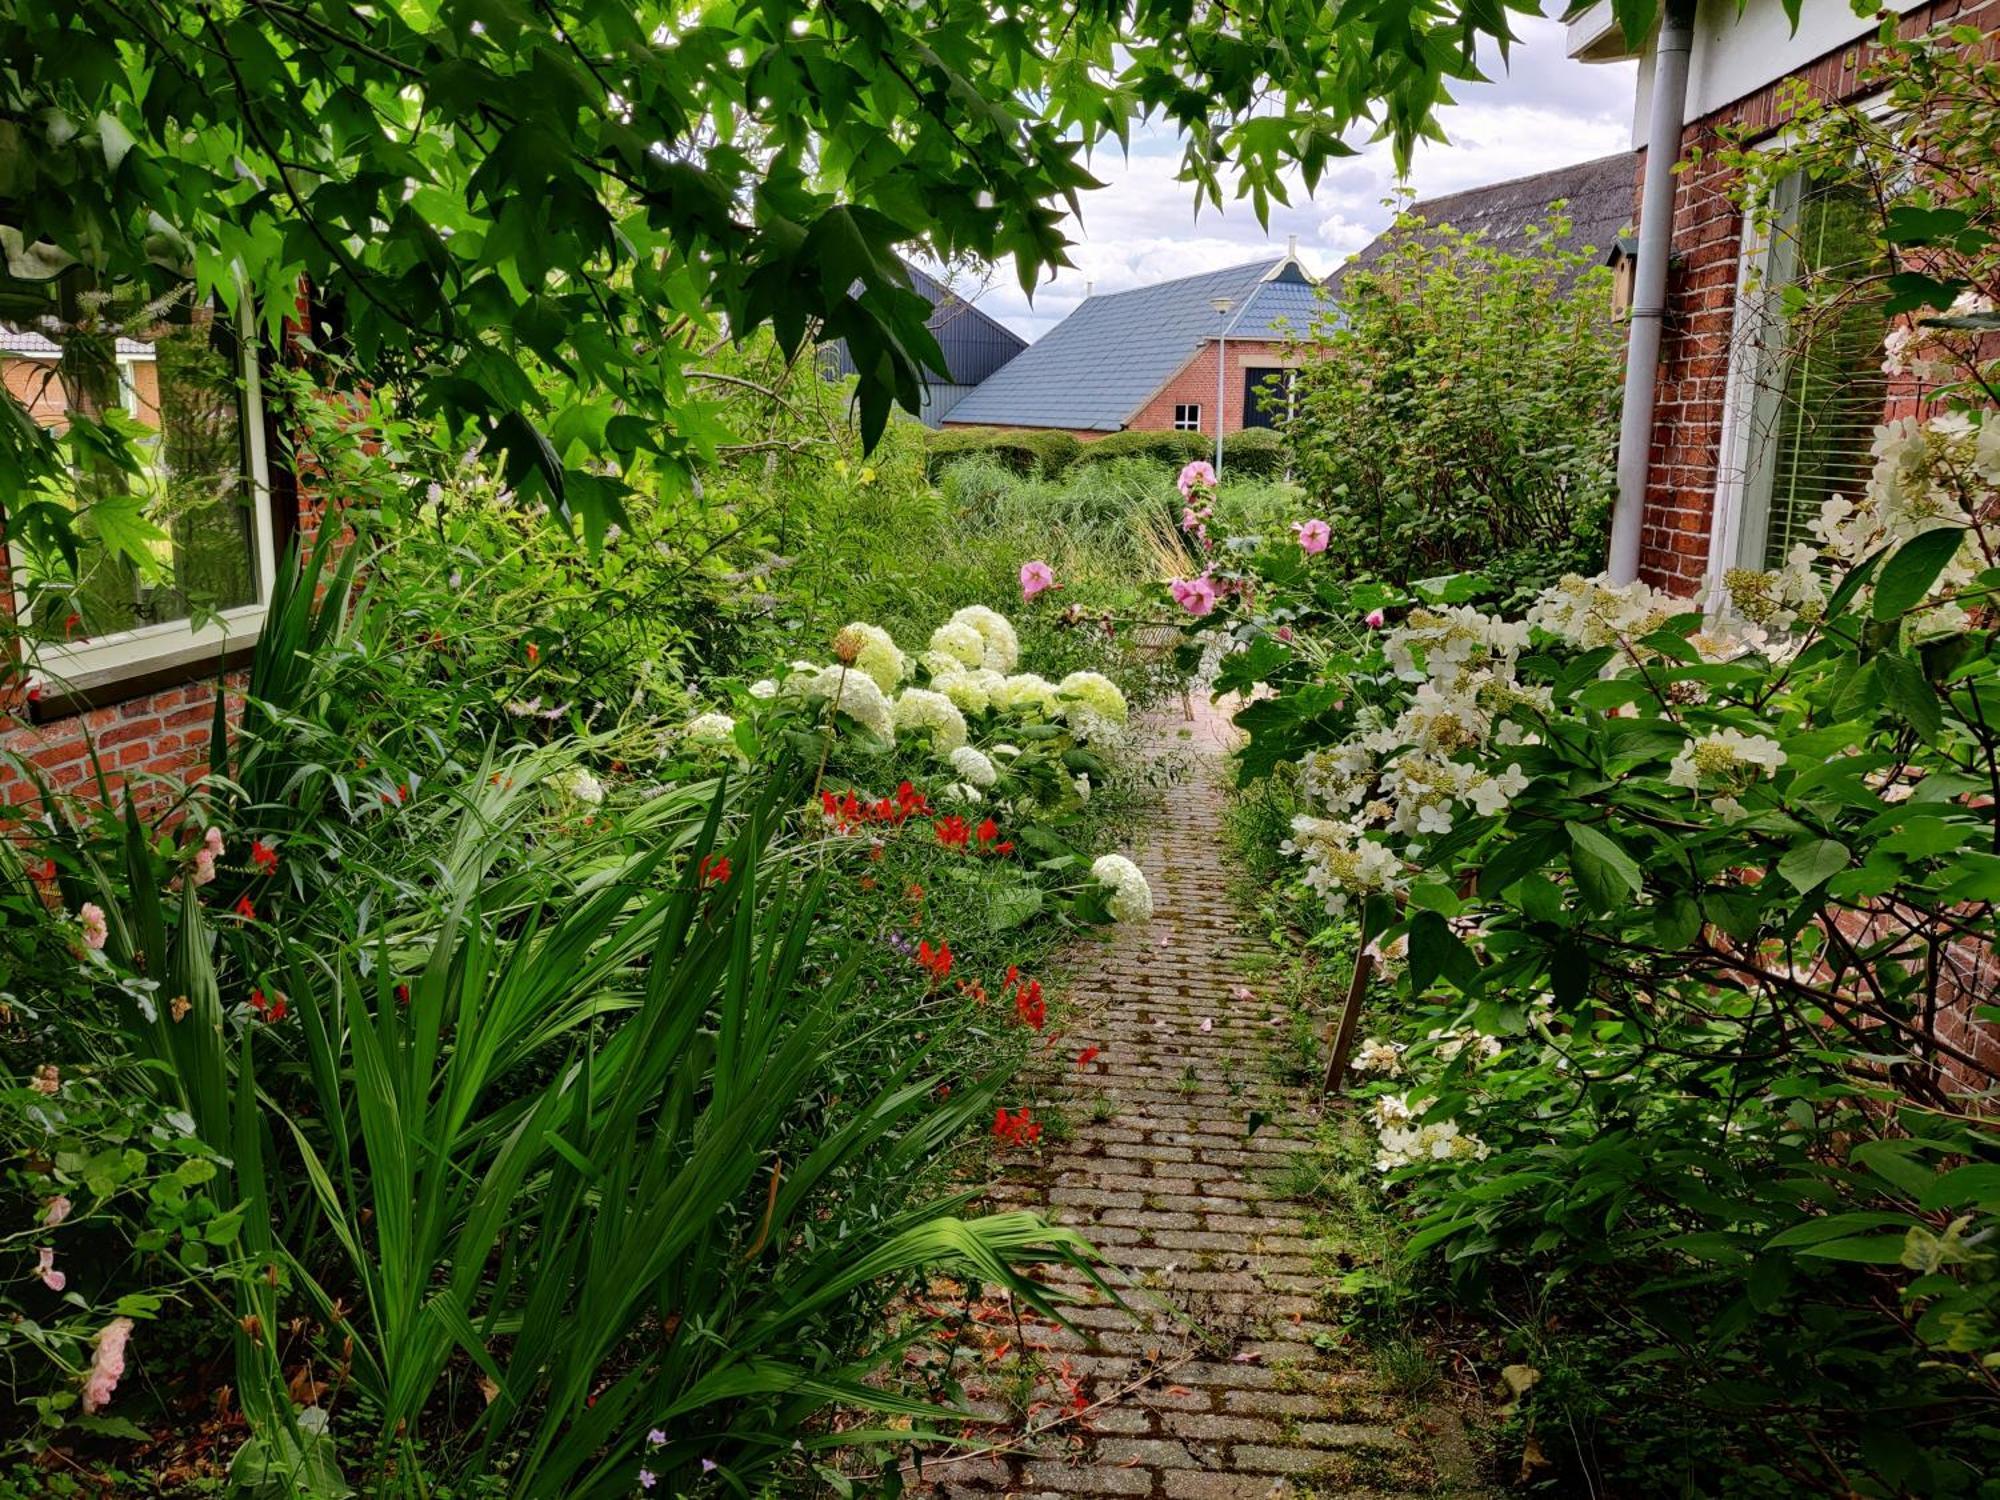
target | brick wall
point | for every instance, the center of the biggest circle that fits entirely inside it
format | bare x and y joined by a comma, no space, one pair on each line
1701,308
1194,383
158,734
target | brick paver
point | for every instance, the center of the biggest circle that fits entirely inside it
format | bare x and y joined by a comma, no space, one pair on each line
1225,1379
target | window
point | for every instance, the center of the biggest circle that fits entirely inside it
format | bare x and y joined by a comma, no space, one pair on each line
198,555
1806,384
1267,395
1187,417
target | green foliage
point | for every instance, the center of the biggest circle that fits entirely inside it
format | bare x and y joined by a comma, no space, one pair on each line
1033,455
567,189
1167,448
1255,453
1458,408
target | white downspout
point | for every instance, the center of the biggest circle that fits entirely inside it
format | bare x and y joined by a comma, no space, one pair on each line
1649,285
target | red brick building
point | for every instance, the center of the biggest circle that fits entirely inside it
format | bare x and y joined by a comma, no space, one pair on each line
126,658
1720,478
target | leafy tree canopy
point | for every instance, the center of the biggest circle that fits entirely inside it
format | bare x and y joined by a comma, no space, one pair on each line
528,210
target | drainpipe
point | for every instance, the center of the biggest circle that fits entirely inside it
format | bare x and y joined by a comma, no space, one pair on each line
1649,284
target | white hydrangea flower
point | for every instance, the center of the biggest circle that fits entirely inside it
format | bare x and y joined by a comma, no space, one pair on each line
923,710
1391,1109
579,786
1442,1140
1002,646
711,729
967,689
959,642
1727,755
973,767
1024,692
1003,751
764,688
1340,862
1451,1043
874,653
1593,612
1081,781
1131,897
1491,794
1095,692
1374,1056
852,693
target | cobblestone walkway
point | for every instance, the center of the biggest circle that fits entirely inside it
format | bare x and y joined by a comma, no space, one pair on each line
1223,1381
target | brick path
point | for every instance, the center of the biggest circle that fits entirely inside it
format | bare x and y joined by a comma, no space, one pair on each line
1228,1382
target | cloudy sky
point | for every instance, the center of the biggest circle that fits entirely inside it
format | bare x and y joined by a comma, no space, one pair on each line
1543,112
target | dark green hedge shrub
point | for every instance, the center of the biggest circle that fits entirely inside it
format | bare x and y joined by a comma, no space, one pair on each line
1254,453
1174,448
1031,454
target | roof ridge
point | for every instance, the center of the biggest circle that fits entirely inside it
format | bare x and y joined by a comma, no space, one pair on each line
1155,286
1419,204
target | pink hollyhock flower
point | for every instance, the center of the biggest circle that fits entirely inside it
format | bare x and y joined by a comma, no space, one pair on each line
204,867
55,1211
95,930
1036,577
1195,595
1285,634
45,1267
107,1364
212,842
1373,619
1199,474
1314,535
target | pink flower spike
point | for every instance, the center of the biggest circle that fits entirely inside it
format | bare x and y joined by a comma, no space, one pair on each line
1036,578
107,1364
1373,619
1314,535
45,1267
90,916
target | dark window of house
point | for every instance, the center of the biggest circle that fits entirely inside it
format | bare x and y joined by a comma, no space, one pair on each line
1187,417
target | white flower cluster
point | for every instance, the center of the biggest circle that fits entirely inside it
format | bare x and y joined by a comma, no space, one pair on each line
1727,761
847,691
974,768
1776,600
579,785
870,649
1002,648
1376,1056
1434,1140
1094,693
1131,898
711,729
1341,861
1448,1044
925,711
1023,692
1930,354
971,688
1592,612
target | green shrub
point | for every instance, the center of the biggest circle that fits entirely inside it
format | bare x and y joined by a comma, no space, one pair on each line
1255,453
1035,454
1169,448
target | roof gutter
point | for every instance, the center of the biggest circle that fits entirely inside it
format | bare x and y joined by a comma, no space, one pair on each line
1649,289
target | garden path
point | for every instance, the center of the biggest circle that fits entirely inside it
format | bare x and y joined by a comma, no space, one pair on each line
1224,1380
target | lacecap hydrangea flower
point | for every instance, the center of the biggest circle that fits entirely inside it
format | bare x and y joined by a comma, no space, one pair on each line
972,767
579,785
1728,755
1131,898
925,711
1003,647
868,648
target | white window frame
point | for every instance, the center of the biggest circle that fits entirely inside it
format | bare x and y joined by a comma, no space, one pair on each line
1752,325
1187,424
102,661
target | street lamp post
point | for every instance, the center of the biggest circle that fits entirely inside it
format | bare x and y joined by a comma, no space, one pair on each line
1222,306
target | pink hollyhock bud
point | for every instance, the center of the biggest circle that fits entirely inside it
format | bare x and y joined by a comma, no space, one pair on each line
1285,634
1314,535
1373,619
1036,577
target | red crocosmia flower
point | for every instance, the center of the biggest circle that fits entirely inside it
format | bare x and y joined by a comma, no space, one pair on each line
953,832
1015,1129
937,961
1028,1005
534,653
943,1092
245,910
280,1008
988,831
258,1003
714,869
1013,977
47,871
263,856
1005,846
72,623
1087,1056
402,994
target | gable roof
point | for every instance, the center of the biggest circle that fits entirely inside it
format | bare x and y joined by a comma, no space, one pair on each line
974,344
1598,195
1104,361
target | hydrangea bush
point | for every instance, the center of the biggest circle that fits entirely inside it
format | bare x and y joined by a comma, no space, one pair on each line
1682,920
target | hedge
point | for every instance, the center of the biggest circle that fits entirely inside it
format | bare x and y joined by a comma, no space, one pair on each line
1172,448
1255,453
1029,453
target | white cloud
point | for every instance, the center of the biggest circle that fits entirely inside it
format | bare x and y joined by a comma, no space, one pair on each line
1542,111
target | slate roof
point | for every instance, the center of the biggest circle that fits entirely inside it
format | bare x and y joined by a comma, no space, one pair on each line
1599,197
974,344
1104,361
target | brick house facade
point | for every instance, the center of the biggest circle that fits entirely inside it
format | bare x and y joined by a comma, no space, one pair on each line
1249,362
1688,521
